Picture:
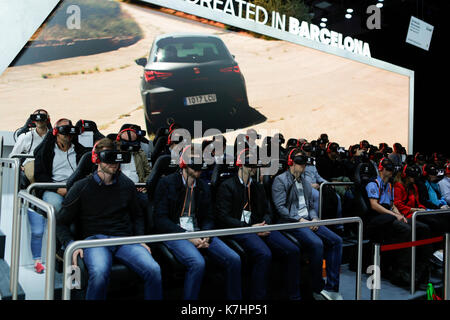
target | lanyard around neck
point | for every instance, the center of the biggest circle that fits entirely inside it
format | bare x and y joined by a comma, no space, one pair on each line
190,201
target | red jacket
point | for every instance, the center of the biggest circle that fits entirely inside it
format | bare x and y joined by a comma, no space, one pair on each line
404,202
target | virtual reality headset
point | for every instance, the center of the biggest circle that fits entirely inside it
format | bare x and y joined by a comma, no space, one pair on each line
301,159
39,117
307,147
114,156
412,171
67,130
130,146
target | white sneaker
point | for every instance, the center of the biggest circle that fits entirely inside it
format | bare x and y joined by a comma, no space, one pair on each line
318,296
330,295
439,255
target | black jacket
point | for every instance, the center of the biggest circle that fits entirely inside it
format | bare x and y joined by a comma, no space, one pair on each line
230,201
100,209
169,197
44,154
329,169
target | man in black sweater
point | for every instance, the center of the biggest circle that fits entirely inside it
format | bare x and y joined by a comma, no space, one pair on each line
104,205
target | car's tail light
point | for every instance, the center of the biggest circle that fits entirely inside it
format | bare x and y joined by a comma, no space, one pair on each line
152,75
235,69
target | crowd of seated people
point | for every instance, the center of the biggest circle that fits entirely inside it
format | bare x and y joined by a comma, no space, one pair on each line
104,201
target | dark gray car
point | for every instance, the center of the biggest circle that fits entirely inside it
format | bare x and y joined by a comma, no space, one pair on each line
188,75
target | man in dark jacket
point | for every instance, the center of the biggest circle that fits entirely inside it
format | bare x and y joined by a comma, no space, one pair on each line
329,166
104,205
241,202
183,204
292,197
56,158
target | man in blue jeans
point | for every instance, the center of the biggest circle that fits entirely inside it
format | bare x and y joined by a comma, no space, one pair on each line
241,202
183,204
291,193
104,205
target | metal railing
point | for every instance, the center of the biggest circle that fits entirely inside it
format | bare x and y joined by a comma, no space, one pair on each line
447,267
413,238
24,196
321,192
45,185
376,263
375,292
22,155
1,146
204,234
12,163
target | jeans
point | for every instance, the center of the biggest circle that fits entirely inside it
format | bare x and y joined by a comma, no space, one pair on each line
319,244
37,226
99,261
260,251
54,199
191,257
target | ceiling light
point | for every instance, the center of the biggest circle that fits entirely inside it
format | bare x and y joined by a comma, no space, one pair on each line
349,10
379,5
324,19
323,24
348,16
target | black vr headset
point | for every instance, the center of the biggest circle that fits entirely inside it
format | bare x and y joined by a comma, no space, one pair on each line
67,130
114,156
412,171
39,117
130,146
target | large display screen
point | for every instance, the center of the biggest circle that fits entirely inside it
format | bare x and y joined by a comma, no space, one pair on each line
115,63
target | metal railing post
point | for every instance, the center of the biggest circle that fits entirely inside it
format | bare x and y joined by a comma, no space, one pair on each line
24,196
376,263
413,238
359,267
204,234
413,254
13,163
447,267
321,192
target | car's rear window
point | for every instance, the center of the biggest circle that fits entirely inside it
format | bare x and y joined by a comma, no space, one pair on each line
190,49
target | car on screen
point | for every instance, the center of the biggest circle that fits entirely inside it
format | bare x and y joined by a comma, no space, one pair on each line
188,74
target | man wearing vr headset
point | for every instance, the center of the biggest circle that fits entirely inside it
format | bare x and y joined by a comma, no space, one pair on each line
397,155
183,204
56,158
104,205
387,224
406,199
429,189
242,202
26,143
444,184
138,169
329,166
292,197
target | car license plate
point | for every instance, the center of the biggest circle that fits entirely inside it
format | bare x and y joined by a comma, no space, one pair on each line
205,98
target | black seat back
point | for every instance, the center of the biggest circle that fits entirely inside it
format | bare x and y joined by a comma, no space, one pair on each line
83,169
364,173
220,173
161,168
159,147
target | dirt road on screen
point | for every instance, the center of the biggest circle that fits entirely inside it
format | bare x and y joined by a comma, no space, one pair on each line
302,92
